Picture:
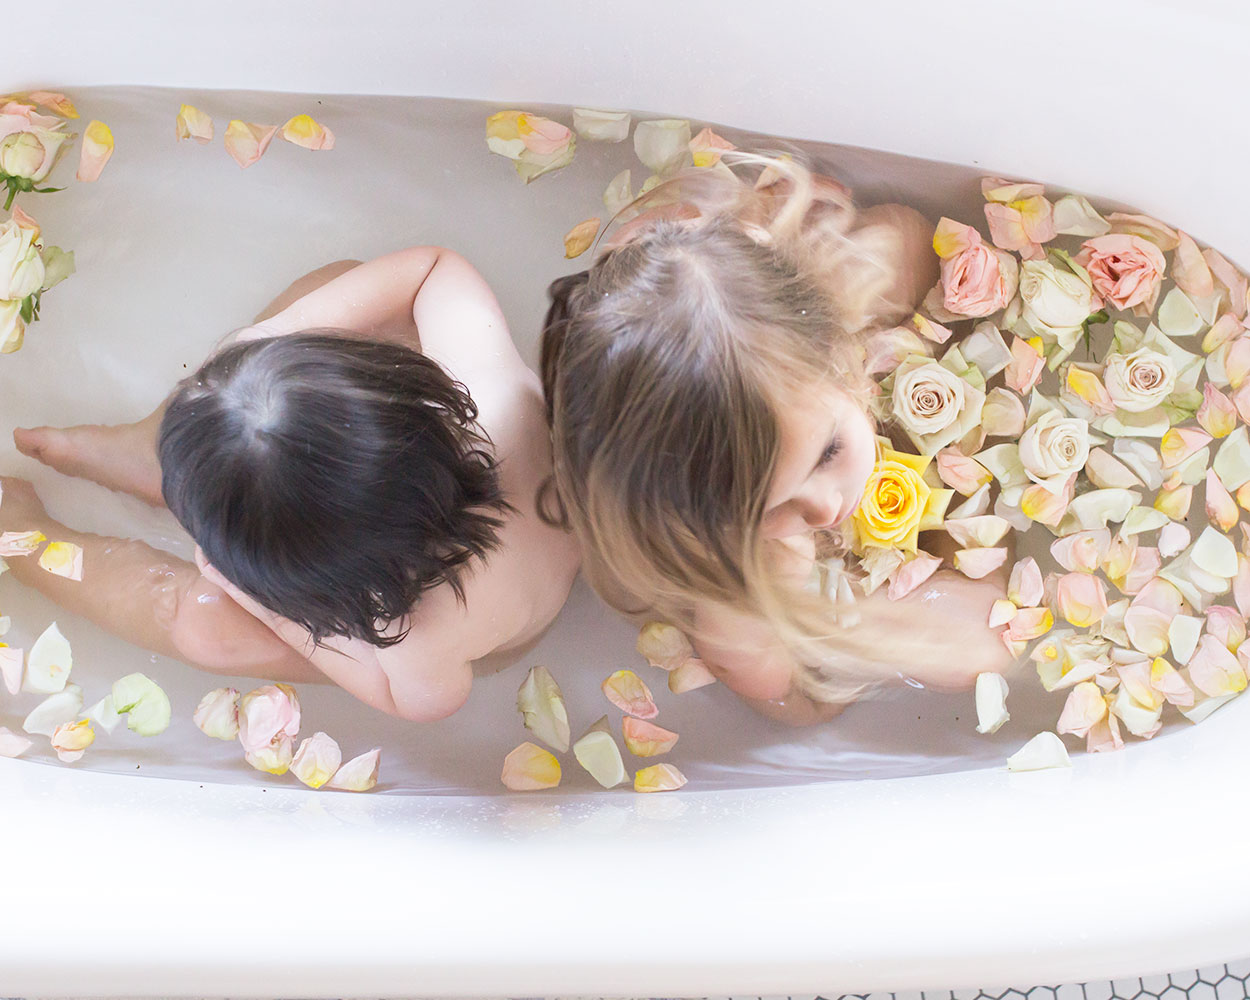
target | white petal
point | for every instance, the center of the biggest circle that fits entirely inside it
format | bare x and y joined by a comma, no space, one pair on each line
1215,553
1178,317
991,696
1142,459
1042,751
359,774
1183,635
601,126
103,714
12,745
598,753
1232,461
985,348
541,705
1199,710
49,662
663,145
1141,519
1074,216
64,706
974,506
1173,538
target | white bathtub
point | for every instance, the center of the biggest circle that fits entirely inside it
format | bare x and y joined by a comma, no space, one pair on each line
1129,863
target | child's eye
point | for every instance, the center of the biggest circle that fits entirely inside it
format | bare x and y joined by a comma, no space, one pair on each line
831,452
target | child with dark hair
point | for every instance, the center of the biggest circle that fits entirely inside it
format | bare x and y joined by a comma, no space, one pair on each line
358,471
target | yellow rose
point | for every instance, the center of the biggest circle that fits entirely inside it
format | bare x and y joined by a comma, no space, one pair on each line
898,504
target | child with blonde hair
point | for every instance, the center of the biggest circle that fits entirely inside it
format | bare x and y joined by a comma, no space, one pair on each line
706,383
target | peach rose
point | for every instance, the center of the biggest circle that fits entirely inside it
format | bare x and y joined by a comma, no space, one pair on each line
1126,270
977,280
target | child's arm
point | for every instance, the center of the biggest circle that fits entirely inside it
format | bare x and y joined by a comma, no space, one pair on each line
458,321
151,599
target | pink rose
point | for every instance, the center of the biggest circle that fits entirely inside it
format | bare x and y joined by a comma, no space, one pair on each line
977,280
1126,270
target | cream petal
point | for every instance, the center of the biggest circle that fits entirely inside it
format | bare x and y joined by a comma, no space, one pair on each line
1203,707
50,661
274,758
1001,613
1178,316
658,778
626,691
144,704
70,739
1215,553
991,700
64,706
12,745
1024,587
1232,461
1082,551
663,645
645,739
316,760
104,714
530,768
978,563
974,506
217,714
1075,216
1108,472
618,194
62,559
1147,630
1142,459
1173,538
663,145
359,774
1043,751
599,755
977,532
690,675
601,126
541,704
11,662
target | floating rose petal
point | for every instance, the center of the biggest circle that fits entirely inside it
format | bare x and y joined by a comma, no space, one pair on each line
267,713
97,147
1203,707
976,532
1147,629
1105,736
1178,316
11,668
192,123
49,663
601,126
991,699
247,142
542,708
1173,538
1175,502
618,193
1145,566
57,103
645,739
104,714
1083,710
144,704
70,739
12,745
1142,519
690,675
1082,599
1189,270
1029,624
1038,503
303,130
930,330
1164,237
1227,625
1001,612
912,574
530,768
1167,682
20,543
64,706
626,691
961,473
1215,554
1021,225
1043,751
1083,551
1232,461
275,758
598,753
1026,366
1003,414
1214,671
978,563
359,774
706,148
217,714
579,239
1024,588
1221,507
317,760
1183,635
975,505
1075,216
663,145
1217,414
62,559
658,778
1237,361
1225,329
1142,459
1180,443
663,645
1230,282
1241,585
1088,388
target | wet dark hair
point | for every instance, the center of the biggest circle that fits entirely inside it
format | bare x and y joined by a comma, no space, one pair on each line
332,479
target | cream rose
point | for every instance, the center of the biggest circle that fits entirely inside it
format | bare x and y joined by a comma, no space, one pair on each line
1139,381
21,267
928,399
1053,302
1054,446
31,155
12,328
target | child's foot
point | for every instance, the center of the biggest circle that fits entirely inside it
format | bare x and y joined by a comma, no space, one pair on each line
122,457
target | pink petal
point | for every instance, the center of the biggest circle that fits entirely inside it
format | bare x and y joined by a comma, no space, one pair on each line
1025,585
1233,281
961,473
1081,598
97,147
1221,507
1237,364
1189,270
11,668
246,142
1084,709
1241,585
1145,567
1025,367
1029,624
1181,443
1165,679
1164,237
1214,670
1105,736
930,330
1227,625
626,691
1217,415
978,563
912,574
1225,329
359,774
1082,551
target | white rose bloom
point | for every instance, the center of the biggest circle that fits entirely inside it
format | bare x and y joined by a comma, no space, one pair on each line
1054,446
12,329
21,267
928,399
1053,302
1139,381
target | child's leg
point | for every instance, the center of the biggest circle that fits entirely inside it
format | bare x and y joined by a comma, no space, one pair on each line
123,456
151,599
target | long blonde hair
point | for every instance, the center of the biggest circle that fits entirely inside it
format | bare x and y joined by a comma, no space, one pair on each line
664,367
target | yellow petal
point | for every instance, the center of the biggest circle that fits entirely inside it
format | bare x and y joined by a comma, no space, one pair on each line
658,778
578,239
58,103
20,543
69,739
1175,502
97,147
950,238
272,759
246,142
645,739
192,123
317,760
1221,508
663,645
305,131
529,768
627,692
62,559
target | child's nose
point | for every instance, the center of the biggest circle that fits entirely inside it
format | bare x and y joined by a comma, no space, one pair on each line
822,511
